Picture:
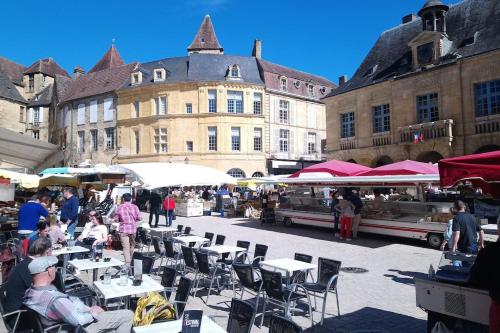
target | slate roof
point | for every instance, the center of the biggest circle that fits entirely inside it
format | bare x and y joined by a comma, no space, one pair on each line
293,73
473,26
110,59
13,70
8,90
44,97
46,66
205,39
62,83
97,83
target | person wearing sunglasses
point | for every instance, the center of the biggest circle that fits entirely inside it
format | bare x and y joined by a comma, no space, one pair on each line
95,232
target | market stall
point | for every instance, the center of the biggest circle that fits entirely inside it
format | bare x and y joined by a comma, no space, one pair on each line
333,168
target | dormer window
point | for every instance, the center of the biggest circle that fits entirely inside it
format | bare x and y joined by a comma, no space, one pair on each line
425,54
296,84
310,90
322,90
233,72
136,78
283,84
159,74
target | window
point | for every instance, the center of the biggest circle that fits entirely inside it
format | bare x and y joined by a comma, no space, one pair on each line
257,103
36,116
31,83
310,90
93,137
110,138
425,54
159,75
161,105
347,129
36,135
22,114
93,112
283,84
136,78
236,173
189,108
137,141
212,138
257,174
487,98
311,143
381,118
234,71
235,101
257,139
427,108
161,140
235,139
284,113
109,109
137,109
81,114
81,141
44,78
212,101
189,146
283,140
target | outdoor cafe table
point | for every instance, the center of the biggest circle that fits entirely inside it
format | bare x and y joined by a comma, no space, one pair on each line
114,290
87,265
221,249
288,266
162,230
175,326
69,250
191,239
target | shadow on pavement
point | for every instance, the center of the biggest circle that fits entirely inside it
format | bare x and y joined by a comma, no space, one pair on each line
369,320
407,276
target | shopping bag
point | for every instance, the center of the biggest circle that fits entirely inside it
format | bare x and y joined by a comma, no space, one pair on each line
152,307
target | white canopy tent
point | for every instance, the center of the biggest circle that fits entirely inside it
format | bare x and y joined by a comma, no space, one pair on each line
356,181
162,174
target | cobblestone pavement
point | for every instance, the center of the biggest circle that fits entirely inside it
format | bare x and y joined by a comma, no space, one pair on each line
379,300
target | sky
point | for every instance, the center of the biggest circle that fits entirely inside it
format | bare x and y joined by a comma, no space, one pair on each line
326,38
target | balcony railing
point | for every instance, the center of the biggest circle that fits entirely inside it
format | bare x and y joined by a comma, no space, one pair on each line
488,126
347,144
382,139
427,131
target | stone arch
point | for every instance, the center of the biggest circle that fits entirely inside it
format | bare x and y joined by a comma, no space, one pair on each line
429,157
381,161
487,149
257,174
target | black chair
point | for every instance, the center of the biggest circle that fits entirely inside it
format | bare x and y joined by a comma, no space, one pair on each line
179,230
259,255
280,324
187,231
182,295
207,271
238,256
40,324
210,237
145,238
75,288
168,281
220,239
170,253
159,248
241,317
247,280
147,264
10,319
279,295
300,276
189,263
326,282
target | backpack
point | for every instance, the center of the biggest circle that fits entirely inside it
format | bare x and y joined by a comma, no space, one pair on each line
152,307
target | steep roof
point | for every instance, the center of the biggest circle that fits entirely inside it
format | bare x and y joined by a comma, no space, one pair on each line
8,90
471,25
13,70
62,83
46,66
110,59
205,39
44,97
97,83
293,73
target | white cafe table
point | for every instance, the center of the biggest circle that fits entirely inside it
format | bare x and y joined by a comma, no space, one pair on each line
114,290
191,239
175,326
222,249
90,265
288,266
71,250
162,230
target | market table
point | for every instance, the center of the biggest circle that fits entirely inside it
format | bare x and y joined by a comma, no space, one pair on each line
114,290
288,266
191,239
207,326
87,265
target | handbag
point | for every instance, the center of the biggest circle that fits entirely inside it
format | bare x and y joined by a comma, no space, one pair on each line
174,216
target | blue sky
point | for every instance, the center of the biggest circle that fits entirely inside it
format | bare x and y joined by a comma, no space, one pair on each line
327,38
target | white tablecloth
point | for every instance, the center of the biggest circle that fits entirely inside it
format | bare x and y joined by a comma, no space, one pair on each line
175,326
114,290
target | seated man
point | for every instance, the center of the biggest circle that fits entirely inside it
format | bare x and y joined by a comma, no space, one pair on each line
42,231
20,277
53,305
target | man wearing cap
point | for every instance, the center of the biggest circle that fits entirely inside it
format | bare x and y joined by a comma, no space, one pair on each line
69,210
55,306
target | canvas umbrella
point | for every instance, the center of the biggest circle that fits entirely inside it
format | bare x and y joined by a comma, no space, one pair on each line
333,168
407,167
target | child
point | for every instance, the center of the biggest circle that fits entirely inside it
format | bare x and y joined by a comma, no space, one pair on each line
346,210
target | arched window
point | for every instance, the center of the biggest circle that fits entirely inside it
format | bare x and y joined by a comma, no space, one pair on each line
234,71
236,173
257,174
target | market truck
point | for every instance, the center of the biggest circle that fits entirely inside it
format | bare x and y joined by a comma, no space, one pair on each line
307,203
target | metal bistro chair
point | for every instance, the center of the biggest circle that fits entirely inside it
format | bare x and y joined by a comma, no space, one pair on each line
220,239
170,253
247,280
145,238
241,317
10,319
210,237
187,231
300,276
259,255
182,295
239,256
160,251
278,294
189,263
207,271
179,230
168,281
280,324
326,282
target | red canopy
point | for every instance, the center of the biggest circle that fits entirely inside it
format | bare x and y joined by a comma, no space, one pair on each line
334,168
478,168
407,167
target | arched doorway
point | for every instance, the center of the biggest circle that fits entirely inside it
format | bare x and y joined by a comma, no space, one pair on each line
381,161
257,174
352,160
236,173
487,149
429,157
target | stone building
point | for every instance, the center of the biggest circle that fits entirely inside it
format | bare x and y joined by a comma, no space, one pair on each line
429,88
214,109
85,121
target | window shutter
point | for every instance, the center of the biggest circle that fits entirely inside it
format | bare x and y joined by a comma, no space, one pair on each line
108,109
40,117
277,110
291,143
277,140
291,112
305,143
67,116
318,144
81,114
93,112
30,116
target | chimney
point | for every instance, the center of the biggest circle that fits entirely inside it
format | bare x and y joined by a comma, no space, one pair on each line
77,72
408,18
342,80
257,49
